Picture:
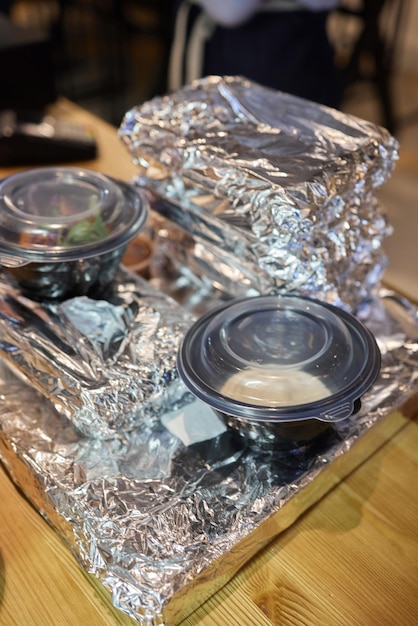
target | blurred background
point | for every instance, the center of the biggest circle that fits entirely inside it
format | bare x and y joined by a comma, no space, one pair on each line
110,55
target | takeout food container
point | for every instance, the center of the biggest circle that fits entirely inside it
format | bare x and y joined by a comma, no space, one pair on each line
64,230
279,369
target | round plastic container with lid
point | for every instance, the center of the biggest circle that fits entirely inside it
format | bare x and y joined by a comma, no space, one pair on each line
63,230
279,367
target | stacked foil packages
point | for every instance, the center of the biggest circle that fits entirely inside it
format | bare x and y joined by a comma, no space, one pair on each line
253,191
263,191
106,365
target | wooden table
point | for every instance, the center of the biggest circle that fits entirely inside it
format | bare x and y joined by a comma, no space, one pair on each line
352,559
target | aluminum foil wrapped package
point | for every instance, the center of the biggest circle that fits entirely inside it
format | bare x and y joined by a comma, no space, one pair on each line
262,191
105,364
164,515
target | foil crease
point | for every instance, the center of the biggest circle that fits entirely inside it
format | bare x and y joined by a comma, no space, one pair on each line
146,513
264,191
105,364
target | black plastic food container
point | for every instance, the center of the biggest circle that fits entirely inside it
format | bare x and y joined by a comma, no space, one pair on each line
279,370
64,230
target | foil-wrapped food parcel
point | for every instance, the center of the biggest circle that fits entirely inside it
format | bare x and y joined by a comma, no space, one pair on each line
105,364
254,191
264,191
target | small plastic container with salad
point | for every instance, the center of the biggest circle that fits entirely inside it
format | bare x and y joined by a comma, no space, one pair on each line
64,230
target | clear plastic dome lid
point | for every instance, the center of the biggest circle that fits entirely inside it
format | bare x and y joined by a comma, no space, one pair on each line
64,213
279,358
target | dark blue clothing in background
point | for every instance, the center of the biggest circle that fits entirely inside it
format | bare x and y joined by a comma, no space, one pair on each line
286,50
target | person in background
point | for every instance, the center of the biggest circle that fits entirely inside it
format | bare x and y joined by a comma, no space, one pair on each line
281,44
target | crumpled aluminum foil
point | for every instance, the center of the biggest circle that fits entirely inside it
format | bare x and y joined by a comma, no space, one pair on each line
268,192
158,504
150,510
105,364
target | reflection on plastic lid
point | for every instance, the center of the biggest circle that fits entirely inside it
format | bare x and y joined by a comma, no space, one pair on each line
274,387
279,358
64,213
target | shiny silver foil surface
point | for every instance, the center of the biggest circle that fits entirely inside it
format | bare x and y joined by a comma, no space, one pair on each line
149,510
253,191
268,192
104,363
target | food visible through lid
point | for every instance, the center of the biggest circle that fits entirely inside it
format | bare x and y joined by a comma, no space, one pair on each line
279,358
67,212
273,387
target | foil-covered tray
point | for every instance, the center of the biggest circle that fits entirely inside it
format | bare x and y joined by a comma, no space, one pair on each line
160,513
252,191
105,363
262,191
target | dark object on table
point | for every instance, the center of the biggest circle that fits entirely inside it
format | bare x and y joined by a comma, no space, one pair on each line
32,138
27,68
